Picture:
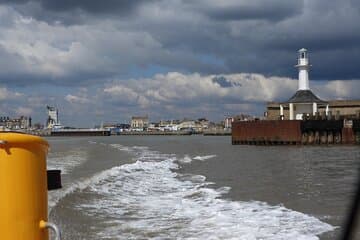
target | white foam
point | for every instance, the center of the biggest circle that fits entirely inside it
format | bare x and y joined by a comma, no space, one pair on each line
81,185
148,200
203,158
185,159
66,161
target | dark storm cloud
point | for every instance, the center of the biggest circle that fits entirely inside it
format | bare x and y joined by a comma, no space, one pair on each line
81,42
326,29
273,10
70,12
93,6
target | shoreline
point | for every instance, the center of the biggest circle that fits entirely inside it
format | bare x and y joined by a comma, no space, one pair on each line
49,133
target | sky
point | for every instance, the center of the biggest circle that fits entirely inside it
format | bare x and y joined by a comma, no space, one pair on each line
105,61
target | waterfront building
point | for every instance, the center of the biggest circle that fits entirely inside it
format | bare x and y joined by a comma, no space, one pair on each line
15,123
139,123
228,122
203,123
116,128
337,108
153,127
168,125
186,125
197,126
53,117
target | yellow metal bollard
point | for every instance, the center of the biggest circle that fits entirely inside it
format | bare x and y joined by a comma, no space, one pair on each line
23,187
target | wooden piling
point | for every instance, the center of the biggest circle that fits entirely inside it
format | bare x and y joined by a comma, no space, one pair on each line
330,137
323,137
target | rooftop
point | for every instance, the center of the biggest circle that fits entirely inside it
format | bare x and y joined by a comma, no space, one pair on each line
304,96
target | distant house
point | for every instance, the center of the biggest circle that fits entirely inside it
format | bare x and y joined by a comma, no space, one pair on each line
139,123
202,124
169,125
153,127
15,123
228,122
197,126
116,128
186,125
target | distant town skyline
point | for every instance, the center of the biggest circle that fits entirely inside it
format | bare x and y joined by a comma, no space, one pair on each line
107,61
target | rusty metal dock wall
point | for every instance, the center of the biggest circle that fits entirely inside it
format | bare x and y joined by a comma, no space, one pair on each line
307,132
266,132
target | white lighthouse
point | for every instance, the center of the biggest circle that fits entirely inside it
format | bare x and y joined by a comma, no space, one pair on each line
304,102
303,66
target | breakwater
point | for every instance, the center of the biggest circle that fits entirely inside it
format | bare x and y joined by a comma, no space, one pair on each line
80,132
99,132
217,132
209,132
155,133
66,132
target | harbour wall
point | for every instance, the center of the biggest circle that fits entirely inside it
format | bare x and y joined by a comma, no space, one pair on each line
80,132
65,132
155,133
286,132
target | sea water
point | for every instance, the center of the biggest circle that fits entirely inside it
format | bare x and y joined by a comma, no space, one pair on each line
195,187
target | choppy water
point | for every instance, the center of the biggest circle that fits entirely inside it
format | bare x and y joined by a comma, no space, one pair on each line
195,187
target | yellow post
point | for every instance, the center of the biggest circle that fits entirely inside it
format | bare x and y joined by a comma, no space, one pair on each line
23,187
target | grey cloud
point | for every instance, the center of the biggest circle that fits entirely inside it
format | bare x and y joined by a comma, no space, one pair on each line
225,83
177,88
182,36
70,12
35,52
273,10
168,96
181,89
176,95
92,6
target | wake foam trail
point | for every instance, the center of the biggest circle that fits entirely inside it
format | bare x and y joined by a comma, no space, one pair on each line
149,200
203,158
66,161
